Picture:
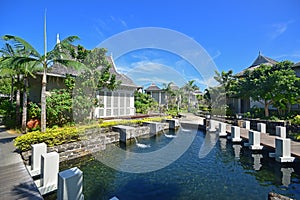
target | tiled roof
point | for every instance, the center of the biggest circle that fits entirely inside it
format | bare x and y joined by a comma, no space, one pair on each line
62,70
173,86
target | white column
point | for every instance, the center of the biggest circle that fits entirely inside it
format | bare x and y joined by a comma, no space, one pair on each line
222,129
256,163
281,131
254,140
49,171
70,184
282,150
36,151
261,127
246,125
235,134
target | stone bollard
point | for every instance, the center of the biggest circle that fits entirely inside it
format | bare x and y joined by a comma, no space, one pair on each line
212,125
246,125
256,163
155,127
173,123
222,129
254,140
70,184
49,171
36,151
281,131
282,150
235,134
261,127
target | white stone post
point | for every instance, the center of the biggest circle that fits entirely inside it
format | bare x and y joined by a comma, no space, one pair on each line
282,150
212,126
235,134
70,184
246,125
49,171
222,129
261,127
281,131
254,140
36,151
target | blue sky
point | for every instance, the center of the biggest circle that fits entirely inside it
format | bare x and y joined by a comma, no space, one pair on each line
232,32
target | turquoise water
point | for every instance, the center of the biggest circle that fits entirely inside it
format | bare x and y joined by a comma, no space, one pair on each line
227,172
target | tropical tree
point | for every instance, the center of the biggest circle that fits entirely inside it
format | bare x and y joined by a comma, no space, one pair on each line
271,85
91,81
190,87
59,54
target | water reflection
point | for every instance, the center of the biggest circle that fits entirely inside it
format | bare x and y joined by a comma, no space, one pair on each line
237,150
223,143
256,163
286,176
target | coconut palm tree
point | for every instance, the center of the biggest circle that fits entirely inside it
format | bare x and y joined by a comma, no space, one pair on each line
190,87
59,54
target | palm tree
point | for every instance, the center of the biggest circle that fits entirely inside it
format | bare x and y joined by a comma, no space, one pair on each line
13,71
59,54
190,87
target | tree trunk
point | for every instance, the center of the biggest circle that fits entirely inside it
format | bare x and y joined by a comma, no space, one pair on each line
24,114
12,92
266,109
43,102
189,102
18,103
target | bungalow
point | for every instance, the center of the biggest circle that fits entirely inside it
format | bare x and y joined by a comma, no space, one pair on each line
242,105
119,102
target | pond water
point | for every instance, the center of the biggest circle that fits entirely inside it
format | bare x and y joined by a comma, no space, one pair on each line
229,171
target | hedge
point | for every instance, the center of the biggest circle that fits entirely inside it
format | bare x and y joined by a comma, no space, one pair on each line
57,136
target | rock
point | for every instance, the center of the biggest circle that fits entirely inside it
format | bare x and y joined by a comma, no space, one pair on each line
275,196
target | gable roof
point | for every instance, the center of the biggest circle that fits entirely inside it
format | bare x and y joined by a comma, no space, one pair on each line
261,59
153,87
297,64
60,70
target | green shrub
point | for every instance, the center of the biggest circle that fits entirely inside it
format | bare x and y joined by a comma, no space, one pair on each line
296,120
51,137
56,136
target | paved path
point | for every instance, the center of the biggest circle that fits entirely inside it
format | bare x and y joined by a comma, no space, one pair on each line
15,181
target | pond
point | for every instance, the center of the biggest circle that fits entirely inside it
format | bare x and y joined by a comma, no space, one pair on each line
229,171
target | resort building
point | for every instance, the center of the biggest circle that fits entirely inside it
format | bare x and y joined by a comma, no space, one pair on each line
116,103
242,105
156,93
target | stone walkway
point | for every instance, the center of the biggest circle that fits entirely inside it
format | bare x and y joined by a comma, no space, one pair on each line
15,181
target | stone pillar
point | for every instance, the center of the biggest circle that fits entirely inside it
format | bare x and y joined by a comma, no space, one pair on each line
282,150
281,131
261,127
173,123
36,151
124,131
212,125
235,134
70,184
155,127
49,171
254,140
246,125
222,129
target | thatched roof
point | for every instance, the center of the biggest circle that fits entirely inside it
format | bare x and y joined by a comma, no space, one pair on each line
261,59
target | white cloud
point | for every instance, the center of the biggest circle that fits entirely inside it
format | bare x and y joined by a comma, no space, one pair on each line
280,28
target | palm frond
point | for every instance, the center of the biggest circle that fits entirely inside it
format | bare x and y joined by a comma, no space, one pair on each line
20,43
